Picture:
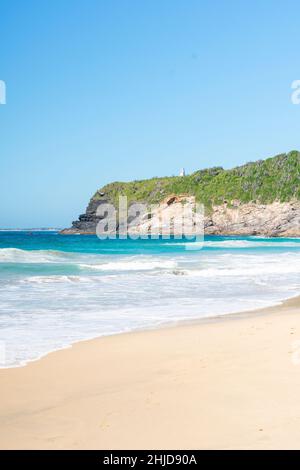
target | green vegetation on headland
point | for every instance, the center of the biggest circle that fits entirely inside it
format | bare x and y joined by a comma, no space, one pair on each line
263,181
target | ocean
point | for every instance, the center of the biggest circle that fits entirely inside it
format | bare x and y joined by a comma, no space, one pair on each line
56,290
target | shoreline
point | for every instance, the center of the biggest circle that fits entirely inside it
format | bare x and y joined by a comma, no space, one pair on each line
206,384
165,325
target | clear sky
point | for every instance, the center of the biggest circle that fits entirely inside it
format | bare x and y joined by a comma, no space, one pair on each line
105,90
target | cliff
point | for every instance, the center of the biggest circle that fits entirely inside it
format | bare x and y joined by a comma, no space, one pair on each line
258,198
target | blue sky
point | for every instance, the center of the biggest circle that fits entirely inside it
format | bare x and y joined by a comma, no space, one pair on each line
99,91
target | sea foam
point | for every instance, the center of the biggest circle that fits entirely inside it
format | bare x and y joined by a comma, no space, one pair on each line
57,290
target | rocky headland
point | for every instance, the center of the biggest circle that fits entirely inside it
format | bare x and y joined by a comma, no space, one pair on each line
259,198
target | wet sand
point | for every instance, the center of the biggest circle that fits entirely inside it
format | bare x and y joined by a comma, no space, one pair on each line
226,383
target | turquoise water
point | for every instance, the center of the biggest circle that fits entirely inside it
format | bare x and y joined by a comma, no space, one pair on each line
55,290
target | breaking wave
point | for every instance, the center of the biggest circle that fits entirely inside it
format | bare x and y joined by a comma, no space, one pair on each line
71,289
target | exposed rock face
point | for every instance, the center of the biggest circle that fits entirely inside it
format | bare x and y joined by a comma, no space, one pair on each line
87,223
233,218
271,220
175,215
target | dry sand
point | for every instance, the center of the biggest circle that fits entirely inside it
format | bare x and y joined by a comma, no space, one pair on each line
227,383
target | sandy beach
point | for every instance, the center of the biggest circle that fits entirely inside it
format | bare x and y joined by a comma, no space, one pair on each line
220,384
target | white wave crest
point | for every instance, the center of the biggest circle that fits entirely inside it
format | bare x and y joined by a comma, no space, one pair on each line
247,271
53,279
131,265
15,255
241,243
